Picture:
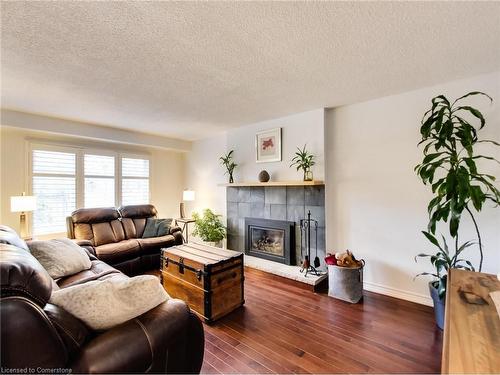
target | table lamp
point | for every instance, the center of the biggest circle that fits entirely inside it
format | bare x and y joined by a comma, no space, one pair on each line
23,203
187,196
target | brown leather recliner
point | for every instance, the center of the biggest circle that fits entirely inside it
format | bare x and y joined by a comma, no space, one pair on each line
37,336
116,236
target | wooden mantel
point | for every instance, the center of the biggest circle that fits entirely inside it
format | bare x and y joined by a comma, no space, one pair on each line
274,183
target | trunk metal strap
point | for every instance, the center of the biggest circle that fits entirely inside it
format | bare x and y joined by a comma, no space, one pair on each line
199,273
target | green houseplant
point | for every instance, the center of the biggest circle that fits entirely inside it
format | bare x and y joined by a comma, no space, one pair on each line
228,162
449,133
209,227
304,160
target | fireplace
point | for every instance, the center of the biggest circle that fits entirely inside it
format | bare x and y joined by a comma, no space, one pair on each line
270,239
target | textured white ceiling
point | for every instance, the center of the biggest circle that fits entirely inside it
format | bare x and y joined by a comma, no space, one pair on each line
187,69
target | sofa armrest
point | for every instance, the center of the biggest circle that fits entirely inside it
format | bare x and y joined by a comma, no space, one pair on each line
83,243
29,339
175,229
156,341
177,233
88,247
196,339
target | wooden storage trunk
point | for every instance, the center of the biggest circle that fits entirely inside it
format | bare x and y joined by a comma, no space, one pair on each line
209,279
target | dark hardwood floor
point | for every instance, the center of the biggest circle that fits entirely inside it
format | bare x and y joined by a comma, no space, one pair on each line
284,328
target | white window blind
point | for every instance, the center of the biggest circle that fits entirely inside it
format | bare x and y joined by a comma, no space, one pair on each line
65,178
135,181
99,181
54,185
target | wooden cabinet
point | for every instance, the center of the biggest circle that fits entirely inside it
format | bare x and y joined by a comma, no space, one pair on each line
472,330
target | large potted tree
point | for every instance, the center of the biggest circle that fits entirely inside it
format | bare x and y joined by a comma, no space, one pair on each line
449,138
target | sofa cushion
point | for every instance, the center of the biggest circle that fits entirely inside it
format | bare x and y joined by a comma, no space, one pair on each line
60,257
98,270
83,231
163,227
154,244
103,304
156,227
100,233
9,236
118,231
94,215
119,251
129,228
150,229
139,224
138,211
103,234
134,218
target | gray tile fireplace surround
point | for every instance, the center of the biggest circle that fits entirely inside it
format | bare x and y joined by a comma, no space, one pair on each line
275,202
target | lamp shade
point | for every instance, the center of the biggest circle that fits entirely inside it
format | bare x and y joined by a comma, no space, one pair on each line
22,203
188,195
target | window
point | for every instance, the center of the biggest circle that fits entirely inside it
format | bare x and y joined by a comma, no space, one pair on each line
66,178
54,184
99,180
135,181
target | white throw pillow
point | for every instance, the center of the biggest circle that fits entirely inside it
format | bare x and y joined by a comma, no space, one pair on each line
60,257
103,304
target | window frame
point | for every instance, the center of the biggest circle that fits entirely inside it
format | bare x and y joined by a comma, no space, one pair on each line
80,151
128,155
55,148
92,151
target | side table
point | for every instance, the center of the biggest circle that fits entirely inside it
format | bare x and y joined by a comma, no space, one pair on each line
185,226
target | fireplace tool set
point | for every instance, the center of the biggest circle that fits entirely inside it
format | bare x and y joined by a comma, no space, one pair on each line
305,239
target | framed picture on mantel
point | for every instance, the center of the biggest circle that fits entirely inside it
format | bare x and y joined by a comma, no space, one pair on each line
268,145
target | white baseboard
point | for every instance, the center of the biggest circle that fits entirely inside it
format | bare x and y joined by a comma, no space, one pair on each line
398,293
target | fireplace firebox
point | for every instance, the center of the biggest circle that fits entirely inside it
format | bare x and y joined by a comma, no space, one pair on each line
270,239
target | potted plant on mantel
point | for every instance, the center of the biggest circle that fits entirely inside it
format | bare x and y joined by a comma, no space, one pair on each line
449,136
228,162
304,160
209,228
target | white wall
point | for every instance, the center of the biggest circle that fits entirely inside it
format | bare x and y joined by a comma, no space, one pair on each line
167,169
297,130
204,173
37,122
376,205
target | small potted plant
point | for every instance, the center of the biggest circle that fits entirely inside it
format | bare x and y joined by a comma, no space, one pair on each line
304,160
209,228
228,162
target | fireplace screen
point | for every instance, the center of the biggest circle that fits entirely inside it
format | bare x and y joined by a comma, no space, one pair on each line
270,241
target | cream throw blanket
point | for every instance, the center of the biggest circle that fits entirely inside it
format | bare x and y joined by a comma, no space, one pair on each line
103,304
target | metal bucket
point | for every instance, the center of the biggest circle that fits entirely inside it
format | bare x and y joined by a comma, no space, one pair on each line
345,283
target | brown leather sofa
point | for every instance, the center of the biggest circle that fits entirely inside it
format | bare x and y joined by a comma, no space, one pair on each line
116,236
37,336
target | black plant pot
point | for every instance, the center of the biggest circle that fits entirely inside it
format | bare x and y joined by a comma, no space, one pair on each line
439,306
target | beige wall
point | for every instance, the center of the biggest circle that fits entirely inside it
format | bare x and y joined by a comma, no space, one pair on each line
376,205
167,169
